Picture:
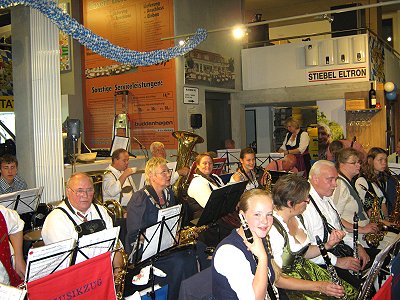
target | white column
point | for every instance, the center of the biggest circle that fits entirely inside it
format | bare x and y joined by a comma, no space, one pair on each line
37,98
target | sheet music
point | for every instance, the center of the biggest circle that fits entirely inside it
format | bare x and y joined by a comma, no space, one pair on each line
11,293
28,200
171,166
171,215
45,260
119,142
97,243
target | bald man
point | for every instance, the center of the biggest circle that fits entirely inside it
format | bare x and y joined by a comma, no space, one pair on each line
157,149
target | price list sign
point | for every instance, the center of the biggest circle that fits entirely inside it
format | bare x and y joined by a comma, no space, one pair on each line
151,91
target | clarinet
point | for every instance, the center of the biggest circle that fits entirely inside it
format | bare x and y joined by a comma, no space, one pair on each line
355,240
331,269
271,290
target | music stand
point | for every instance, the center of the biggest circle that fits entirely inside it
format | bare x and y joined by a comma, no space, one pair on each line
231,155
158,238
24,201
375,269
266,158
60,255
221,202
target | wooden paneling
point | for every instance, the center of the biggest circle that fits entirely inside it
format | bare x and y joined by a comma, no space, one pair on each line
369,126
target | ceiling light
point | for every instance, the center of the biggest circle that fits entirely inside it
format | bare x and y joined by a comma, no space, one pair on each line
238,32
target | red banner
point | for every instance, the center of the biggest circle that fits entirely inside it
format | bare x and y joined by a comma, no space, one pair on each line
385,292
91,279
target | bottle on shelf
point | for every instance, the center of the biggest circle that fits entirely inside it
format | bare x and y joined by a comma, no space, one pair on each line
372,97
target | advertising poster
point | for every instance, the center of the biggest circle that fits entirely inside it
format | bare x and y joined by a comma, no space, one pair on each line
150,100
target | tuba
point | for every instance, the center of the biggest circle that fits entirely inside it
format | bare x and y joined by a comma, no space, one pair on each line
186,142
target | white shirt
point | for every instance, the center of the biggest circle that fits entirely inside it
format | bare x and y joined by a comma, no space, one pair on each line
199,189
58,227
112,186
304,141
362,192
238,274
345,203
314,224
279,240
14,225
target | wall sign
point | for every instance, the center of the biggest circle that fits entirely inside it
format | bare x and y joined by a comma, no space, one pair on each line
336,74
190,95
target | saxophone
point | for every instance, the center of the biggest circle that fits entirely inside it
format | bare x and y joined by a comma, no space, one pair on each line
373,239
267,180
188,235
395,215
119,278
331,269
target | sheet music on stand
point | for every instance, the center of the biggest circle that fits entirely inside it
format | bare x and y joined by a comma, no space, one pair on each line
375,269
171,166
159,236
24,201
43,261
232,156
97,243
263,159
394,168
11,293
48,259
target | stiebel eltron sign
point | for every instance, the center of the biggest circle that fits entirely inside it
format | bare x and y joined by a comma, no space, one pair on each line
337,74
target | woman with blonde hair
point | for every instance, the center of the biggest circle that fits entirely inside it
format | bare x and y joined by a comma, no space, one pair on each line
296,142
245,270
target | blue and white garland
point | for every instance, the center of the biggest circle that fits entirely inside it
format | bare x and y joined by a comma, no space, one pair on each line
102,46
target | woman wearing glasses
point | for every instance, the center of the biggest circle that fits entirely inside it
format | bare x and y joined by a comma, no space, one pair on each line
144,205
346,197
143,211
291,245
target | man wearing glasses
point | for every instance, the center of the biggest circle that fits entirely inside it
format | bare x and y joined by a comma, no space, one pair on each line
75,210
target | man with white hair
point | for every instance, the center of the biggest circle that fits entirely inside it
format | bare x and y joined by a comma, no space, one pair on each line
157,149
322,210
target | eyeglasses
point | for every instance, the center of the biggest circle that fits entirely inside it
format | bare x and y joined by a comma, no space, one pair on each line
165,173
354,162
82,192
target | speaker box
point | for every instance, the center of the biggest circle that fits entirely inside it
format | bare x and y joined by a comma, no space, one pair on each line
196,121
73,129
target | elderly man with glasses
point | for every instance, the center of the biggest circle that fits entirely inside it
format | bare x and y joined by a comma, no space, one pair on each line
77,209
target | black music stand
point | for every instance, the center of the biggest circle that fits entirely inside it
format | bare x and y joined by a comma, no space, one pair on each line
56,259
375,269
24,201
221,202
231,155
158,238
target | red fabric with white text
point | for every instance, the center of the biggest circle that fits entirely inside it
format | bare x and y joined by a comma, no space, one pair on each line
91,279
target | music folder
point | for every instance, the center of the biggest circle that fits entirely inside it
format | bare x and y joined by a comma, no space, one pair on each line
221,202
